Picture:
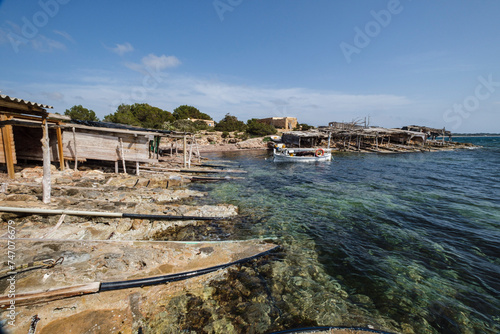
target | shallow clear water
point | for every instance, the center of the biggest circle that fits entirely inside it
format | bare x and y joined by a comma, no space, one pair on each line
410,242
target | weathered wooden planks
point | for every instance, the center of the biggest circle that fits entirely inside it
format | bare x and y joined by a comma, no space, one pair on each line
50,295
100,146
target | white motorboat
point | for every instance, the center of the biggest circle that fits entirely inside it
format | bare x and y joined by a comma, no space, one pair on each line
284,154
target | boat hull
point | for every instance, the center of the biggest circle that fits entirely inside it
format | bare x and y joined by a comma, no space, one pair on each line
285,157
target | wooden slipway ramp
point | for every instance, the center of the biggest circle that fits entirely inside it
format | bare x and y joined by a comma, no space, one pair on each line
67,283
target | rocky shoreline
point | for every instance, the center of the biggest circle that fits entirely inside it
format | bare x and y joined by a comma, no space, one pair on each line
215,142
254,297
124,311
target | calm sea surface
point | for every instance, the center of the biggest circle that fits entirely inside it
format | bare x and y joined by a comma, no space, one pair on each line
402,242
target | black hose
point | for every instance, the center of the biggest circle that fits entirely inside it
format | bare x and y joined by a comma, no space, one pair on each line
318,329
167,217
108,286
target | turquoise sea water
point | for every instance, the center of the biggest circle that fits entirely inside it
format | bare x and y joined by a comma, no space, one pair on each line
402,242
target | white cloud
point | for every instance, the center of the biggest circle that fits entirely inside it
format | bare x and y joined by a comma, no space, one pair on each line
135,67
103,91
160,63
218,98
153,64
121,49
54,96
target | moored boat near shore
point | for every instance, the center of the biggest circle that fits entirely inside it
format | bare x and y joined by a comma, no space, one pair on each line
283,154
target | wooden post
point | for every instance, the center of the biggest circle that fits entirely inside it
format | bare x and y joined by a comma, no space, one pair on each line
158,148
7,146
444,132
137,168
197,150
46,182
74,146
376,140
116,167
123,156
184,150
191,151
60,147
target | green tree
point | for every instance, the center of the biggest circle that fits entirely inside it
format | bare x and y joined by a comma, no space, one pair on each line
259,129
200,125
151,117
184,125
81,113
123,115
141,114
230,123
303,127
185,112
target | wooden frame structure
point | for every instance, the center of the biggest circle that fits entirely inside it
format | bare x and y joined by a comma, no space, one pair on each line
11,107
76,141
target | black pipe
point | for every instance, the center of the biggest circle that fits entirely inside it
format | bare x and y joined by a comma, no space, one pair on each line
108,286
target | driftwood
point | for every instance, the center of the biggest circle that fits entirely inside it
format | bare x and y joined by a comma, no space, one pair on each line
208,178
46,181
103,214
179,170
59,223
50,295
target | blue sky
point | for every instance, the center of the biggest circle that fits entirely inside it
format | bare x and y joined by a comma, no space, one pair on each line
401,62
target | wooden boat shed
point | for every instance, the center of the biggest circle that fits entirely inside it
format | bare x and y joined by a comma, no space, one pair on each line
14,110
347,132
29,132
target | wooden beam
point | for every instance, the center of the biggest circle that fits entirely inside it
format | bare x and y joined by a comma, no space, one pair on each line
74,146
190,152
60,148
179,170
123,156
184,149
37,297
26,117
7,146
46,181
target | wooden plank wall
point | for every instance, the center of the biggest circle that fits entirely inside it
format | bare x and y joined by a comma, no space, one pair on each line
90,145
102,146
2,151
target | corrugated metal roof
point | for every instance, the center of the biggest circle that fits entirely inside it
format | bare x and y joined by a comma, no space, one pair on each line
21,101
